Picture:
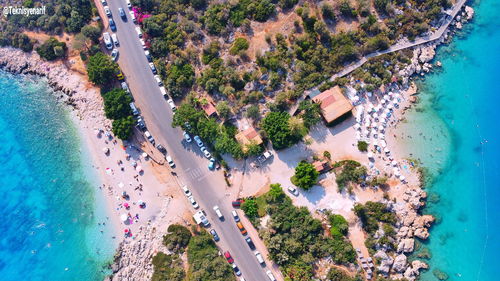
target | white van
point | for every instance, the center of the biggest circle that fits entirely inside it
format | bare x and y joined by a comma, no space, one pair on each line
259,257
235,216
163,92
107,40
139,31
115,39
270,275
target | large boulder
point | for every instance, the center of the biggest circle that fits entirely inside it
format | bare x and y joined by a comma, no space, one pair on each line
385,262
399,264
421,233
406,245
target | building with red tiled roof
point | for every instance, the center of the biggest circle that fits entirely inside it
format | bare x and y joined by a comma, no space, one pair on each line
209,109
333,104
248,136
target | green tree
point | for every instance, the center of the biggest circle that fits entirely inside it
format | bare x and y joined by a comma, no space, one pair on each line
92,32
275,193
187,113
223,109
250,208
362,146
124,127
311,113
335,274
338,225
253,112
51,49
275,124
177,239
101,69
167,267
117,104
328,12
305,175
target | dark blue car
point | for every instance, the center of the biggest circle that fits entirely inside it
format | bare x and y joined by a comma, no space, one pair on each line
112,25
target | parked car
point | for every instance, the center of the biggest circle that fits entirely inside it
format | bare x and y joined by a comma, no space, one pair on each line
125,86
122,13
236,270
139,31
242,279
115,39
114,54
134,109
250,243
172,104
153,67
270,275
103,2
259,257
237,203
264,156
132,16
107,11
211,164
235,216
293,190
112,25
119,75
149,137
129,5
158,80
228,257
187,137
198,141
193,202
215,235
205,152
148,56
107,40
218,212
140,123
201,218
186,190
241,228
170,161
161,149
143,44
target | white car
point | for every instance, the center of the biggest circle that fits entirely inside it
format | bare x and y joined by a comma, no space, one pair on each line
153,67
139,31
163,92
293,190
129,5
107,11
158,80
125,87
218,212
115,39
193,202
149,137
235,216
205,152
198,141
187,137
259,257
114,54
172,104
107,40
186,191
148,56
103,2
143,44
132,16
270,275
170,161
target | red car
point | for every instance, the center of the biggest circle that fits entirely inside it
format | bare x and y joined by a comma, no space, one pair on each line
238,202
228,257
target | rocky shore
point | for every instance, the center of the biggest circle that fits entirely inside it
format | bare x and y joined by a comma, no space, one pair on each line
411,224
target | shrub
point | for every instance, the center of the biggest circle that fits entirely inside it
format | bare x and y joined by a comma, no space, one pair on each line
275,124
250,208
101,69
117,104
51,49
240,44
339,225
123,127
177,239
167,267
362,146
351,171
305,175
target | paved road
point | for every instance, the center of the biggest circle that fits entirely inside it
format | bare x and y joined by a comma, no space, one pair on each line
209,188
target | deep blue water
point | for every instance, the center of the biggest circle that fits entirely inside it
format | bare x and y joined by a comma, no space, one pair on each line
456,133
49,230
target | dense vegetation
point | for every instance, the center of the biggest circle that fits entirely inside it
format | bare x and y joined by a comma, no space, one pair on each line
52,49
305,175
295,239
101,69
349,172
177,239
117,107
167,267
335,274
204,260
375,216
278,129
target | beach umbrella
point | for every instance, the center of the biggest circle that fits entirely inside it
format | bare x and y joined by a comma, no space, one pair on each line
370,154
134,164
109,171
357,126
381,128
138,168
366,132
126,205
402,178
368,123
375,143
126,230
144,155
121,185
394,163
124,217
382,136
358,136
383,143
140,202
386,150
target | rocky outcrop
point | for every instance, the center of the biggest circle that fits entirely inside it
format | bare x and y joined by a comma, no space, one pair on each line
385,262
413,271
406,245
399,264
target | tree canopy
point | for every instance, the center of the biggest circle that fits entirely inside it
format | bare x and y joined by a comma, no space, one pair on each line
305,175
101,69
276,125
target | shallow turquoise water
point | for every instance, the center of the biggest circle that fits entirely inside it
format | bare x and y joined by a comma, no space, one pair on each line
456,133
50,227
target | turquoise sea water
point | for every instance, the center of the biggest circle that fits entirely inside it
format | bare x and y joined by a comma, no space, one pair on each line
49,229
455,131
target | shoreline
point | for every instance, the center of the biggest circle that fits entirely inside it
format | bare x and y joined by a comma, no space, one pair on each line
151,185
